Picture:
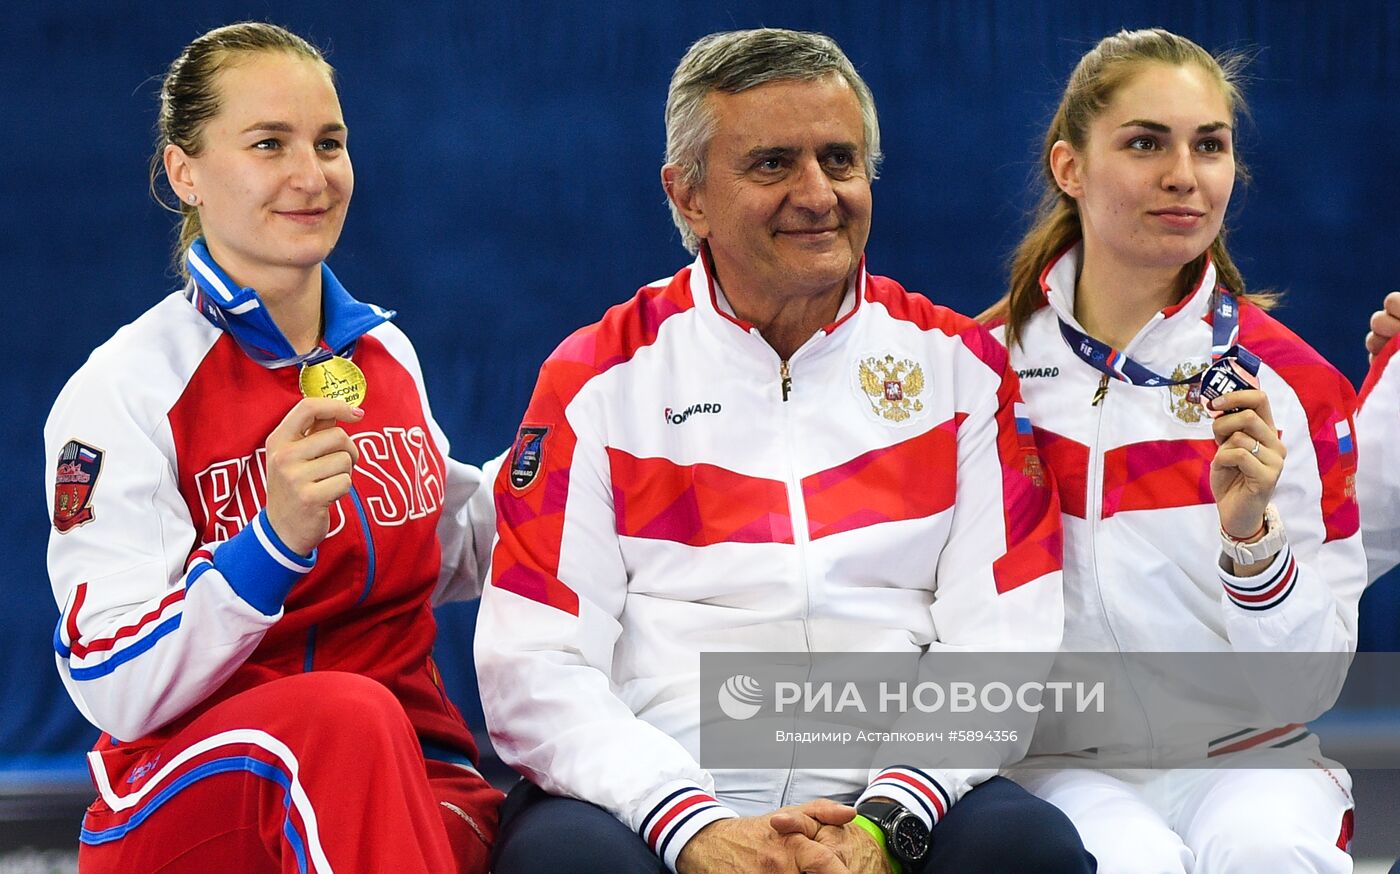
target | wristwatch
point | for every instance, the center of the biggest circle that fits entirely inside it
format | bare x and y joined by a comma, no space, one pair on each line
907,839
1268,545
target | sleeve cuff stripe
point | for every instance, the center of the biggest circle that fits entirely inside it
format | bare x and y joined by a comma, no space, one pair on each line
1268,606
1274,595
663,804
937,787
280,553
1253,585
257,570
672,816
921,784
1264,592
703,811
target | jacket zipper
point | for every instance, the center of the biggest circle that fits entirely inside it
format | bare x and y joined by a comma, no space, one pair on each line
797,513
308,663
309,658
369,544
1094,511
1101,392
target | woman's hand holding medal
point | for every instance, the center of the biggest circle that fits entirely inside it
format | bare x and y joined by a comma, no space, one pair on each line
309,460
1247,464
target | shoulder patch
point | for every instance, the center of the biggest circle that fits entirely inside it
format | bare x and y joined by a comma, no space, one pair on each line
527,457
78,468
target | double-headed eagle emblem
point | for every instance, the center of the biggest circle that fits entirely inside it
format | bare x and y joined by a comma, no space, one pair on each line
892,386
1184,402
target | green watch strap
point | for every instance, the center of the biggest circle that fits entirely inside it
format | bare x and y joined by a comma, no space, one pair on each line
879,835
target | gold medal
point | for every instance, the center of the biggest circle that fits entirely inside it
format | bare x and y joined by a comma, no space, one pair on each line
334,377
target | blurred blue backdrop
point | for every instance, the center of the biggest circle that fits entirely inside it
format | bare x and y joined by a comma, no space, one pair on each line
507,192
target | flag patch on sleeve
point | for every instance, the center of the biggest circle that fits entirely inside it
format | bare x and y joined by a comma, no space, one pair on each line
1344,442
78,468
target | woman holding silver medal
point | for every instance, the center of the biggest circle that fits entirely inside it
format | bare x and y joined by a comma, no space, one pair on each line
246,575
1203,512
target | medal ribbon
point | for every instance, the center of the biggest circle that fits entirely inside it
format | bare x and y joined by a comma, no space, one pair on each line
240,313
1225,329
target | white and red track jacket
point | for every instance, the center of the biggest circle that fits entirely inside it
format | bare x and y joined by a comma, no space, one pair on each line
1378,482
1142,553
664,498
175,592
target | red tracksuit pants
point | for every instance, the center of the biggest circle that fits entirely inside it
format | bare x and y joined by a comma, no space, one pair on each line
316,772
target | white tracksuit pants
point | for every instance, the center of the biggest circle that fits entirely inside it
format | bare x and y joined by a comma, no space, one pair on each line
1225,820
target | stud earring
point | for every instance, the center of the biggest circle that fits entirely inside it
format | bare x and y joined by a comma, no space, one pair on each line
192,198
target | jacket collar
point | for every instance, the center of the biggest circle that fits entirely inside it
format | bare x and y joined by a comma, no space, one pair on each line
710,299
1058,278
240,312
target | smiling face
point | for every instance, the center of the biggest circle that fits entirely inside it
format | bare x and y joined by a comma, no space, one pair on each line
272,177
785,203
1154,178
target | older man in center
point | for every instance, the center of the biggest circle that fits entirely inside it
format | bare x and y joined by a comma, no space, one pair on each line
772,450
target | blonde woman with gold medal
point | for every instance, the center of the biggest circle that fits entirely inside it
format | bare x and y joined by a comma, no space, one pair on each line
254,513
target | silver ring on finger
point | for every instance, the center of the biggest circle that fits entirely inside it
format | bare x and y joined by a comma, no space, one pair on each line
1255,450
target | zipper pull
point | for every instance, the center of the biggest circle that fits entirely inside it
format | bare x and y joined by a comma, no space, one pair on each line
1100,391
785,373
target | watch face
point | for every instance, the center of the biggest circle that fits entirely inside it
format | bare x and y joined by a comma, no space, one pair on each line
910,839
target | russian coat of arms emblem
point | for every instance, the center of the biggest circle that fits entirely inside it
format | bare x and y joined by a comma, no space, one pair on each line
1184,401
892,386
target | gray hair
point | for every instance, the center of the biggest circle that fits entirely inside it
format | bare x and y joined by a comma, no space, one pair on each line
737,61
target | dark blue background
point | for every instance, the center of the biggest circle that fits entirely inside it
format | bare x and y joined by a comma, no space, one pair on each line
507,192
